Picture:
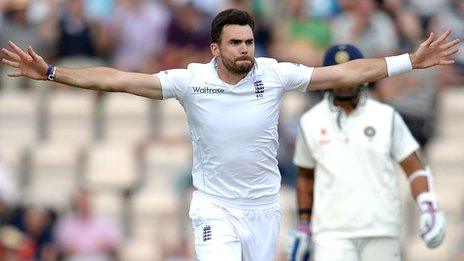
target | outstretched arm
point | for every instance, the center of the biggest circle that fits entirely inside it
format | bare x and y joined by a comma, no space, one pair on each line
430,53
32,65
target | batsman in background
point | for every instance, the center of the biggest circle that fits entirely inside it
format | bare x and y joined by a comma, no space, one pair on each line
348,192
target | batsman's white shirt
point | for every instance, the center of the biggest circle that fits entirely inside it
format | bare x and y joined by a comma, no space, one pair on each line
356,191
234,127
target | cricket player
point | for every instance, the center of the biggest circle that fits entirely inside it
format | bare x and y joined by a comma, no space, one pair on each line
347,185
232,107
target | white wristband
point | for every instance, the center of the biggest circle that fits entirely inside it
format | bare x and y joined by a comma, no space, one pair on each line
426,172
398,64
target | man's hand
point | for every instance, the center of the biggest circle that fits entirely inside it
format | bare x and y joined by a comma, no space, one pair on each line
435,52
432,221
299,244
29,64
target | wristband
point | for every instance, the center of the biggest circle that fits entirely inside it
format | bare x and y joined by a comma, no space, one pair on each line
426,172
304,211
51,70
398,64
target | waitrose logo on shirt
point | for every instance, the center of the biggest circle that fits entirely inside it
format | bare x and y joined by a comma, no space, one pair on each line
206,90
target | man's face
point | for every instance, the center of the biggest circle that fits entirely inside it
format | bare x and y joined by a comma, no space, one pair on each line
236,49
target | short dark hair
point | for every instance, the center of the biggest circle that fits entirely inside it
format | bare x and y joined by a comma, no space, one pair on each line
228,17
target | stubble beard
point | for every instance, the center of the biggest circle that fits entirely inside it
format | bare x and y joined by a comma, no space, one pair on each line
234,68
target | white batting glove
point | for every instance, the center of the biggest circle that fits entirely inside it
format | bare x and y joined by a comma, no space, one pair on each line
432,220
300,243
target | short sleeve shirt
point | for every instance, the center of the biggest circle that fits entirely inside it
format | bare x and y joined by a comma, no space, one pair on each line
356,185
234,127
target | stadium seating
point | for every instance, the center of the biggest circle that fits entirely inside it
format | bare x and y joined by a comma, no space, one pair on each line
19,118
52,174
126,117
71,117
111,166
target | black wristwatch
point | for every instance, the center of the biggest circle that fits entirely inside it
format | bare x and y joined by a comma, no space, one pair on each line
51,70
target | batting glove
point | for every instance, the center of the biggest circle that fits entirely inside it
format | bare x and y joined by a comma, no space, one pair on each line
300,243
432,220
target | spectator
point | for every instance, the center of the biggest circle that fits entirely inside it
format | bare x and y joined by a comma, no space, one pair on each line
16,25
36,224
76,34
426,10
188,36
210,7
452,17
14,245
138,33
299,37
83,235
364,25
322,9
100,10
408,25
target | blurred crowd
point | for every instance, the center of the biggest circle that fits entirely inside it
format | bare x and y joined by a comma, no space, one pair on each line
152,35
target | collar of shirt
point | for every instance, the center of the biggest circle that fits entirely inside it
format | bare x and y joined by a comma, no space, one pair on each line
342,120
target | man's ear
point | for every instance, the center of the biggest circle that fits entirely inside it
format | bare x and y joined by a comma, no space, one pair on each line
214,49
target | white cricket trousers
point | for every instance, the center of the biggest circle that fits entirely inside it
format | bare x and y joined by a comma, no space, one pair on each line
356,249
224,233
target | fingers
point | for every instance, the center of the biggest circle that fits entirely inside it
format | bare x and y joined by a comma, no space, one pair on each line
446,62
10,63
15,74
20,52
429,39
440,39
450,44
32,53
10,54
450,52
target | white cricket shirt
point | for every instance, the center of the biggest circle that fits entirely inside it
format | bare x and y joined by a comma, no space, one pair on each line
234,127
356,191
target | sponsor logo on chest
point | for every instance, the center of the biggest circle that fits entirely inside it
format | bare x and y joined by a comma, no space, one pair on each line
258,89
207,90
